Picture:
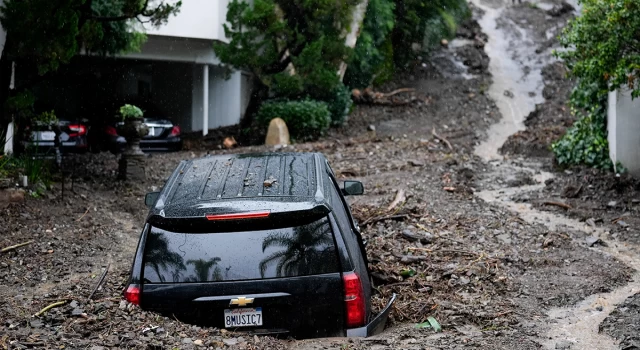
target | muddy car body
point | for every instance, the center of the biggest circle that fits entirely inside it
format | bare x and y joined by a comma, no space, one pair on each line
262,242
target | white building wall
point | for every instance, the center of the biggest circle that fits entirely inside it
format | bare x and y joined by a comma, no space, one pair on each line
225,98
197,19
623,124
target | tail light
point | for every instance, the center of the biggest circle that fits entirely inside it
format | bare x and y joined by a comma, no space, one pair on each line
354,300
132,294
175,131
77,130
110,130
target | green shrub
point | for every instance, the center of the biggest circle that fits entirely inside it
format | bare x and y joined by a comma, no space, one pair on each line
339,104
306,119
130,111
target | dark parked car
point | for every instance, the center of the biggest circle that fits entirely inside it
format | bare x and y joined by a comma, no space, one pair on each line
163,136
258,242
41,137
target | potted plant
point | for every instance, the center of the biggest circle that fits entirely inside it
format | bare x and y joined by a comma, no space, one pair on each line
131,165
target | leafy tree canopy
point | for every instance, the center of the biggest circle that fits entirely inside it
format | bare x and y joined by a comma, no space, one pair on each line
603,44
293,47
49,33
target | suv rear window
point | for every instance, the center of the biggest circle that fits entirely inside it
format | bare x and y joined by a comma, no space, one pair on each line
172,257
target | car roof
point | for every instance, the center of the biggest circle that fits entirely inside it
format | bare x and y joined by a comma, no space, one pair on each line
233,183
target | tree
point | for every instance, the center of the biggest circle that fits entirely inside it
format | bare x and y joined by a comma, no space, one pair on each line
294,48
44,34
308,250
203,267
416,20
603,44
158,256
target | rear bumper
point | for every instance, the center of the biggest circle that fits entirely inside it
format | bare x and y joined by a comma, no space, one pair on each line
161,145
119,144
78,146
376,325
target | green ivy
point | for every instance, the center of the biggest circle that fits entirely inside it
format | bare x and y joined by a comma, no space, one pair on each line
306,119
585,142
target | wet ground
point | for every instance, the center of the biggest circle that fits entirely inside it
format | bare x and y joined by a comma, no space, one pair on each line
496,264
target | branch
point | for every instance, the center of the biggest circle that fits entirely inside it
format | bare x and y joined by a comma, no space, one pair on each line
49,307
4,250
141,11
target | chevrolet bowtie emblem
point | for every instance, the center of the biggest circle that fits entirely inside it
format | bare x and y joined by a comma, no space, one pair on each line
242,301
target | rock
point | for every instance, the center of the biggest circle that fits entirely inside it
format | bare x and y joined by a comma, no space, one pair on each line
187,341
444,43
97,347
563,345
561,9
410,236
74,304
505,238
635,201
11,195
371,127
591,241
160,330
278,133
230,341
229,142
36,323
612,204
623,224
77,312
198,342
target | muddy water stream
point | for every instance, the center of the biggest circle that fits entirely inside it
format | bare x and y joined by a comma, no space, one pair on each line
516,95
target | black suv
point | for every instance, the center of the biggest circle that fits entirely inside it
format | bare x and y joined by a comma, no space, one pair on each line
257,242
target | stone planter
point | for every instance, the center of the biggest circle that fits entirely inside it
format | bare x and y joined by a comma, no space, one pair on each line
131,166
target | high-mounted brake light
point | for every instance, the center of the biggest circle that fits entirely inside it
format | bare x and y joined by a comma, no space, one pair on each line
354,300
132,294
175,131
237,216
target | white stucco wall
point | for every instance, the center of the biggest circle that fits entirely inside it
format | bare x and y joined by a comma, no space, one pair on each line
623,127
197,19
225,98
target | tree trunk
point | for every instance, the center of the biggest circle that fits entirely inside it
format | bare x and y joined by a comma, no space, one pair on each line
259,93
357,16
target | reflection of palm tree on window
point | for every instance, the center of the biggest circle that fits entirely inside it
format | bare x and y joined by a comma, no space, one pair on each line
203,267
158,255
307,251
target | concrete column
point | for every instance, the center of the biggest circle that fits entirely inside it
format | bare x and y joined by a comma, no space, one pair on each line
205,100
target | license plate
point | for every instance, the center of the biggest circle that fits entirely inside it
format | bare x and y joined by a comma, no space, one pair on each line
47,136
245,317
